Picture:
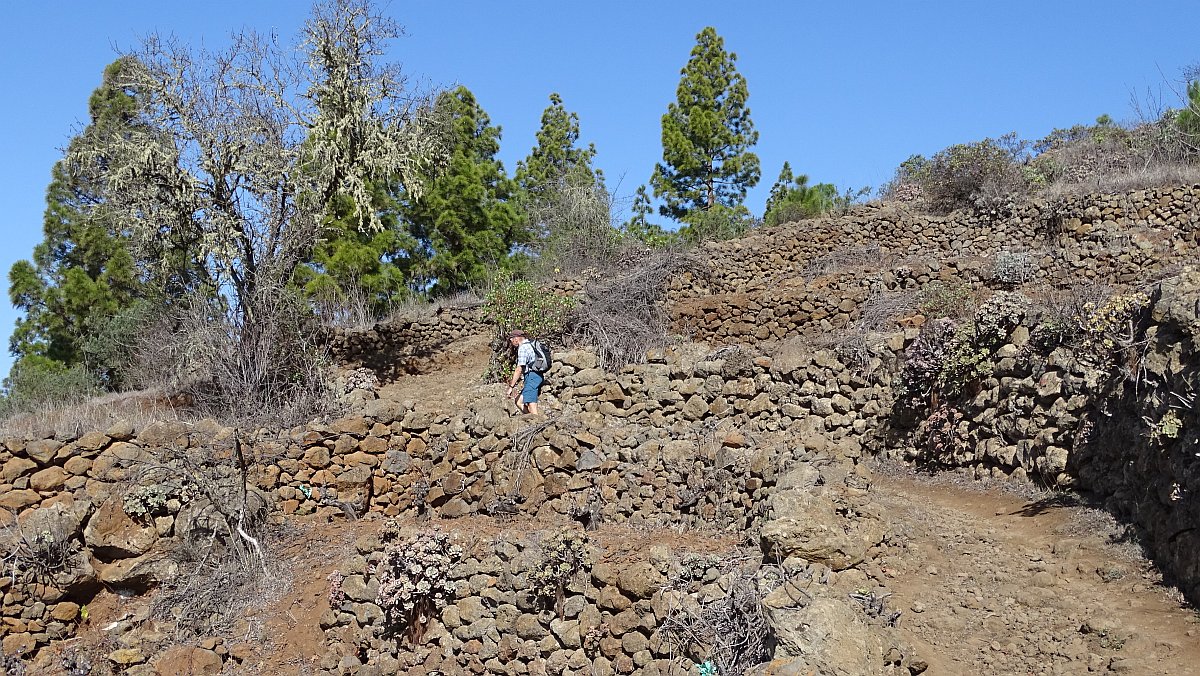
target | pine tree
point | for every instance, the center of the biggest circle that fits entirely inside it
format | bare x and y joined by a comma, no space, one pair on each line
706,135
83,273
639,226
466,218
352,269
780,188
793,199
557,156
566,205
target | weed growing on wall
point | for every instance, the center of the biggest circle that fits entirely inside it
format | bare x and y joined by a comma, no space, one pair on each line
564,554
1110,327
938,300
414,578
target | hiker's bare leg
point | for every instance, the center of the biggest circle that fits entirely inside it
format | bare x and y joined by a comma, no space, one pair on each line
532,407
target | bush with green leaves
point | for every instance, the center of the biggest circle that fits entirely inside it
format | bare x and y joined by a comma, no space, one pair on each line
719,222
36,382
950,356
963,174
941,300
1110,327
522,305
414,578
564,554
996,318
145,502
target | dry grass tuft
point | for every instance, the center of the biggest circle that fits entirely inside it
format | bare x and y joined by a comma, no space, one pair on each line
138,408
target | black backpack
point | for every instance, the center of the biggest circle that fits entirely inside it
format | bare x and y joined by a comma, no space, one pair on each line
541,357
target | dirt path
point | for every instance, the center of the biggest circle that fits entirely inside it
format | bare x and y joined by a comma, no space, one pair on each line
990,583
448,385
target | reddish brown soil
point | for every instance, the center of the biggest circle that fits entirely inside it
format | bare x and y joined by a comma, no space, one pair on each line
1004,585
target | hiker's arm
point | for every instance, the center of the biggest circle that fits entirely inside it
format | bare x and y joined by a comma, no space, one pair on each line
516,377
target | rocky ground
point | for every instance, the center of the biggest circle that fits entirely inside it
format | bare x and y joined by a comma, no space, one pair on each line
991,582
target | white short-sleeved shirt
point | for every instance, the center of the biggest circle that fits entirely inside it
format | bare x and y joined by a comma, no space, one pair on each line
525,354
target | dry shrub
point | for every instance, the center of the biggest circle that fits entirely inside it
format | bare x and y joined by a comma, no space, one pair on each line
1060,312
843,260
621,314
349,307
139,408
261,364
575,218
729,634
223,540
856,344
1137,178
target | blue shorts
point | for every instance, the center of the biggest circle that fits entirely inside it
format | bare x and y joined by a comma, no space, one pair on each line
533,383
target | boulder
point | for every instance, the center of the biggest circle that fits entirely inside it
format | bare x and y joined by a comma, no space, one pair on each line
826,633
185,660
112,534
138,574
820,528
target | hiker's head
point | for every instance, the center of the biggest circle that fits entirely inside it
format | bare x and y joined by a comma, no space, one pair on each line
515,337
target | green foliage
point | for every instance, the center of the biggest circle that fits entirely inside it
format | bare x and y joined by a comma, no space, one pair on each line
568,207
521,305
376,265
707,135
83,272
465,218
37,381
564,555
950,357
718,223
1188,118
639,226
414,578
793,199
963,174
557,153
1170,426
966,362
939,299
1109,328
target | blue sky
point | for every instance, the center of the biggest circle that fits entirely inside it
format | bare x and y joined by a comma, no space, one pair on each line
843,91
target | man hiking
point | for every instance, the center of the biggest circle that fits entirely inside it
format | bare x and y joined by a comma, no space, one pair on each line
531,364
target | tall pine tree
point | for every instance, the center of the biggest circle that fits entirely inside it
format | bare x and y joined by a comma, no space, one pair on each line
465,218
567,207
352,269
83,272
707,135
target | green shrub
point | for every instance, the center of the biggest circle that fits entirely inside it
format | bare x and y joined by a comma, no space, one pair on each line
564,555
963,174
36,381
718,223
940,300
521,305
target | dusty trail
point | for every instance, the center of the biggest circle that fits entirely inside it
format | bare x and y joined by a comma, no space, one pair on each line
990,583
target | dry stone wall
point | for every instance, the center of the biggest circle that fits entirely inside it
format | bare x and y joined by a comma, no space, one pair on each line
66,530
1111,237
628,603
403,346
